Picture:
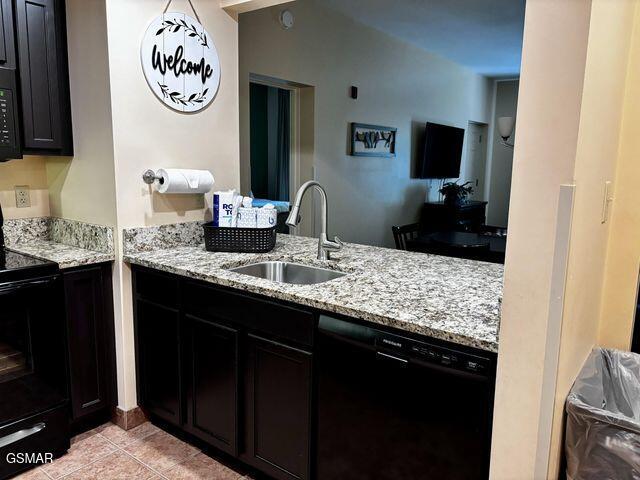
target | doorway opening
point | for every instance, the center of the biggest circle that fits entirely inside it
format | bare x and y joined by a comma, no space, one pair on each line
270,138
277,145
477,158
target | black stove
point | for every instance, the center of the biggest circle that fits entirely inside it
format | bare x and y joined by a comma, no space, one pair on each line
16,266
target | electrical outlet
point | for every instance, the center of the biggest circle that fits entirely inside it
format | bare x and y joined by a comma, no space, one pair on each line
23,199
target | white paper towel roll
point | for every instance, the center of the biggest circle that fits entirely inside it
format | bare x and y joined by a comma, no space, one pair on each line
178,180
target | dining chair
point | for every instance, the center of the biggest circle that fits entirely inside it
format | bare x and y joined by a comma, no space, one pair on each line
403,233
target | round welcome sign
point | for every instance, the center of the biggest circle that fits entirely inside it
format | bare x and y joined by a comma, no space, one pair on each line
180,62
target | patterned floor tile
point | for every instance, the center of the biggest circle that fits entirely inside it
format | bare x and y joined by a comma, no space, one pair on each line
122,438
81,453
201,467
161,451
35,474
115,466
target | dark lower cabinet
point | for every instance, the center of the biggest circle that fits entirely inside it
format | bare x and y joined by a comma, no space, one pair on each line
233,370
91,349
158,360
212,376
278,408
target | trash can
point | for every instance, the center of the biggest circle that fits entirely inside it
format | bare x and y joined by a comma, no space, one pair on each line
603,418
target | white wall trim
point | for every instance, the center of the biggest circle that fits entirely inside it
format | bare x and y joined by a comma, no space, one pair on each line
554,328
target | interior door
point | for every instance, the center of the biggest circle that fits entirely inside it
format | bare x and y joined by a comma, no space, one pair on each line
477,158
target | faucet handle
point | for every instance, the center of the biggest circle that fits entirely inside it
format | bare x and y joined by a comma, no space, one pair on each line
334,245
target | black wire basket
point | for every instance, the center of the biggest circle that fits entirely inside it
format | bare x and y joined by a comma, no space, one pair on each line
241,240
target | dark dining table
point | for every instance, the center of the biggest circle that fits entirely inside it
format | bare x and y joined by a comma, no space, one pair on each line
477,246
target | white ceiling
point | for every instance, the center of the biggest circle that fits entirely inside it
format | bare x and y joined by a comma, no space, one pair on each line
483,35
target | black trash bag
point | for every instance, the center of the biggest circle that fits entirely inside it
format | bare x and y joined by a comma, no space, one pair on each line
603,418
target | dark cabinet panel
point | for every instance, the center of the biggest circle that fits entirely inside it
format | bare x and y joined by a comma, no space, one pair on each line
212,373
268,318
278,409
88,357
229,363
158,360
10,145
43,71
440,216
7,39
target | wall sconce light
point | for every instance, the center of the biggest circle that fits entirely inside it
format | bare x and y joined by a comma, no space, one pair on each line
505,129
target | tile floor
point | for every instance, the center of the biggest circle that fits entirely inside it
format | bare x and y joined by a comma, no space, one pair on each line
144,452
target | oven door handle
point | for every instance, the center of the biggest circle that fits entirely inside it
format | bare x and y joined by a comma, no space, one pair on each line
21,434
12,287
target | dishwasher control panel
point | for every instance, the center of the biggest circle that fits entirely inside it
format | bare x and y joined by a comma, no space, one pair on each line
432,353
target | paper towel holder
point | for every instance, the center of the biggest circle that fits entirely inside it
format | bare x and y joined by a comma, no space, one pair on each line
149,177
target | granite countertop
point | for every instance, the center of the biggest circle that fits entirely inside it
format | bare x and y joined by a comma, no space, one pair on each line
442,297
68,243
66,256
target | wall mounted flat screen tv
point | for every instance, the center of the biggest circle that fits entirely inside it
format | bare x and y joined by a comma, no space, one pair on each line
442,152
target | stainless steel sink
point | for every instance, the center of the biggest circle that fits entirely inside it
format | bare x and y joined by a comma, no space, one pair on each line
286,272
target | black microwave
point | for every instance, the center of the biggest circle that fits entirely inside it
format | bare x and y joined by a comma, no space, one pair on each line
35,105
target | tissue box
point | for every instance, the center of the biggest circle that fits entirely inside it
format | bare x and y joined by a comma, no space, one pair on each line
267,217
247,217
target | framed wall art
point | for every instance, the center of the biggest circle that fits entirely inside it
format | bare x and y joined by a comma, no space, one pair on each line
372,140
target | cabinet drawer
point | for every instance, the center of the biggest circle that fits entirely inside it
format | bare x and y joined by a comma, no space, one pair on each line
259,315
156,287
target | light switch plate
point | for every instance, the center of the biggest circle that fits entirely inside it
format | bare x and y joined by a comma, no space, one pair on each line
23,199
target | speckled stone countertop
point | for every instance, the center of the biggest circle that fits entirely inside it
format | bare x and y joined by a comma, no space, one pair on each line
68,243
446,298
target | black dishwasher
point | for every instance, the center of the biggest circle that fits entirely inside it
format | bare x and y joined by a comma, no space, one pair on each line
392,407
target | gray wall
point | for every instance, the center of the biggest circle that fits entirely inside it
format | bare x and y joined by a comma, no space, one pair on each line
399,85
500,158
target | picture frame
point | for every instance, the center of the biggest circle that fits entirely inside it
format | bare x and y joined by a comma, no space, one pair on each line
372,140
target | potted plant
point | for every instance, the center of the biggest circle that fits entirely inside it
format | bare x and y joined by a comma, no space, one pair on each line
455,193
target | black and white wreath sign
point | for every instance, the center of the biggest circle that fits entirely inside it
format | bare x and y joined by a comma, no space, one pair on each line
180,62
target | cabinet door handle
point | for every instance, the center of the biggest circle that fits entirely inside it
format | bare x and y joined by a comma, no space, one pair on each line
12,287
21,434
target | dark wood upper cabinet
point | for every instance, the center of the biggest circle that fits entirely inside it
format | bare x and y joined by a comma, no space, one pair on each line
43,72
7,38
212,375
278,409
